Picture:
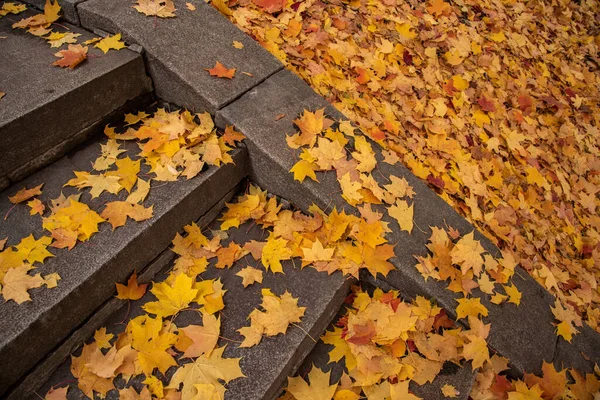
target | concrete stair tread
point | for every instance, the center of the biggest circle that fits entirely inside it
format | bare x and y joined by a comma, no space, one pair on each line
47,109
178,50
268,364
524,334
90,269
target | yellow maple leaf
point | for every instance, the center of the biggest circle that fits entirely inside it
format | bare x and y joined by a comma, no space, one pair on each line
468,254
25,194
17,283
514,296
74,217
158,8
172,298
250,275
110,42
522,392
102,338
117,212
476,351
470,307
318,387
279,312
275,250
303,169
404,214
206,370
316,253
151,343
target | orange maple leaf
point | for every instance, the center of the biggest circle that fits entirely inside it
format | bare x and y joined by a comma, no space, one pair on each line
72,57
25,194
221,71
132,291
270,6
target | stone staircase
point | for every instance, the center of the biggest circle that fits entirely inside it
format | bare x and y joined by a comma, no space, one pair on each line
48,114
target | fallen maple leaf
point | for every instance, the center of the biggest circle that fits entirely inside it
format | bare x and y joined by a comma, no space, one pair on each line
37,207
204,338
270,6
57,39
17,283
220,71
278,313
449,391
25,194
57,393
132,291
250,275
172,298
110,42
158,8
117,212
206,371
318,387
72,57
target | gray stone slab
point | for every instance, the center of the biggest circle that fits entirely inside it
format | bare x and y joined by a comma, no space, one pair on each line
68,9
524,333
268,364
47,109
582,353
90,269
42,372
178,50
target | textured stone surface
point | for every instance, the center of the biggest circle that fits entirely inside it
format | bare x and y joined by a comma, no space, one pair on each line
27,387
90,270
582,353
48,109
524,333
268,364
68,8
179,49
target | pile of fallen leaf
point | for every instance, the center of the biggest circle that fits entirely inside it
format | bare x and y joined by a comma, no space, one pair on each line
495,104
40,25
171,145
385,343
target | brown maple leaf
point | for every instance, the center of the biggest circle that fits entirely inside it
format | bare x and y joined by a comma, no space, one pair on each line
72,57
158,8
221,71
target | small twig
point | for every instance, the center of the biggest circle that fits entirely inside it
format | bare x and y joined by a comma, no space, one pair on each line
9,210
303,330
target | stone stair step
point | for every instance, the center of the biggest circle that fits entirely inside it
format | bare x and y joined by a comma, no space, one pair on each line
177,51
48,110
90,269
43,371
268,364
523,334
68,8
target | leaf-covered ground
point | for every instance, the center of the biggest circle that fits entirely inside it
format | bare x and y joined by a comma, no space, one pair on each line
494,103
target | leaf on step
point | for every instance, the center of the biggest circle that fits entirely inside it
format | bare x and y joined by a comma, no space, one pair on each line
26,194
72,57
158,8
110,42
37,207
278,313
221,71
132,291
57,39
206,371
250,275
57,394
17,283
204,338
317,387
